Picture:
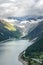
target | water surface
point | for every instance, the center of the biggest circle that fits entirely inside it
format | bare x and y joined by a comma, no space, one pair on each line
10,51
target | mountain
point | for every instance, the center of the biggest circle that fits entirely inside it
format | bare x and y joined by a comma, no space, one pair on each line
35,32
26,18
35,47
23,26
22,18
33,55
8,31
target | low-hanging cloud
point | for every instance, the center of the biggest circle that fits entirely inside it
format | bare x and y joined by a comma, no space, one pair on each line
21,8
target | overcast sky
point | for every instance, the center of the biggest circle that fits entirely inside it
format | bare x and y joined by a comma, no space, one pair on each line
21,8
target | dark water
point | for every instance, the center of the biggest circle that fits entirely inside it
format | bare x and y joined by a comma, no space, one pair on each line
9,51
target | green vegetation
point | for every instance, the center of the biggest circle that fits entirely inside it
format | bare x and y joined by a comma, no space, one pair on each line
35,59
34,54
7,31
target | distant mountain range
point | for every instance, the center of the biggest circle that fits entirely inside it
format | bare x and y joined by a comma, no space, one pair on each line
26,18
7,31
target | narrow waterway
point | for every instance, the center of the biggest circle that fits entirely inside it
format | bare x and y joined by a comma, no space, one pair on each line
10,51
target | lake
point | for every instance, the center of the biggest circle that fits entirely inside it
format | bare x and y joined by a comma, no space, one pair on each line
9,51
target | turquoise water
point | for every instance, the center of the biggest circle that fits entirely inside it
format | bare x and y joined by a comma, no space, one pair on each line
10,51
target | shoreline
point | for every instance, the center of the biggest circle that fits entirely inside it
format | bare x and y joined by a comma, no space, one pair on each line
26,63
6,40
21,60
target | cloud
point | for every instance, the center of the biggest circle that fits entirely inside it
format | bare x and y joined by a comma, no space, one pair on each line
21,8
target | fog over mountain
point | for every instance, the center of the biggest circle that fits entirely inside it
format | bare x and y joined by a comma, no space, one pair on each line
24,26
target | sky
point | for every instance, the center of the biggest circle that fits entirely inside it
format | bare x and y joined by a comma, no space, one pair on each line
20,8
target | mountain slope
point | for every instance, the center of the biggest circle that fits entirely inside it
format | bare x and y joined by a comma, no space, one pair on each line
7,31
33,55
36,47
36,32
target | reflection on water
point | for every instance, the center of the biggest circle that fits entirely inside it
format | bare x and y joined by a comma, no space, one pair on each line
9,51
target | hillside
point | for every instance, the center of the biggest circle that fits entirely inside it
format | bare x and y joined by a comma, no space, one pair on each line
34,54
7,31
35,32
